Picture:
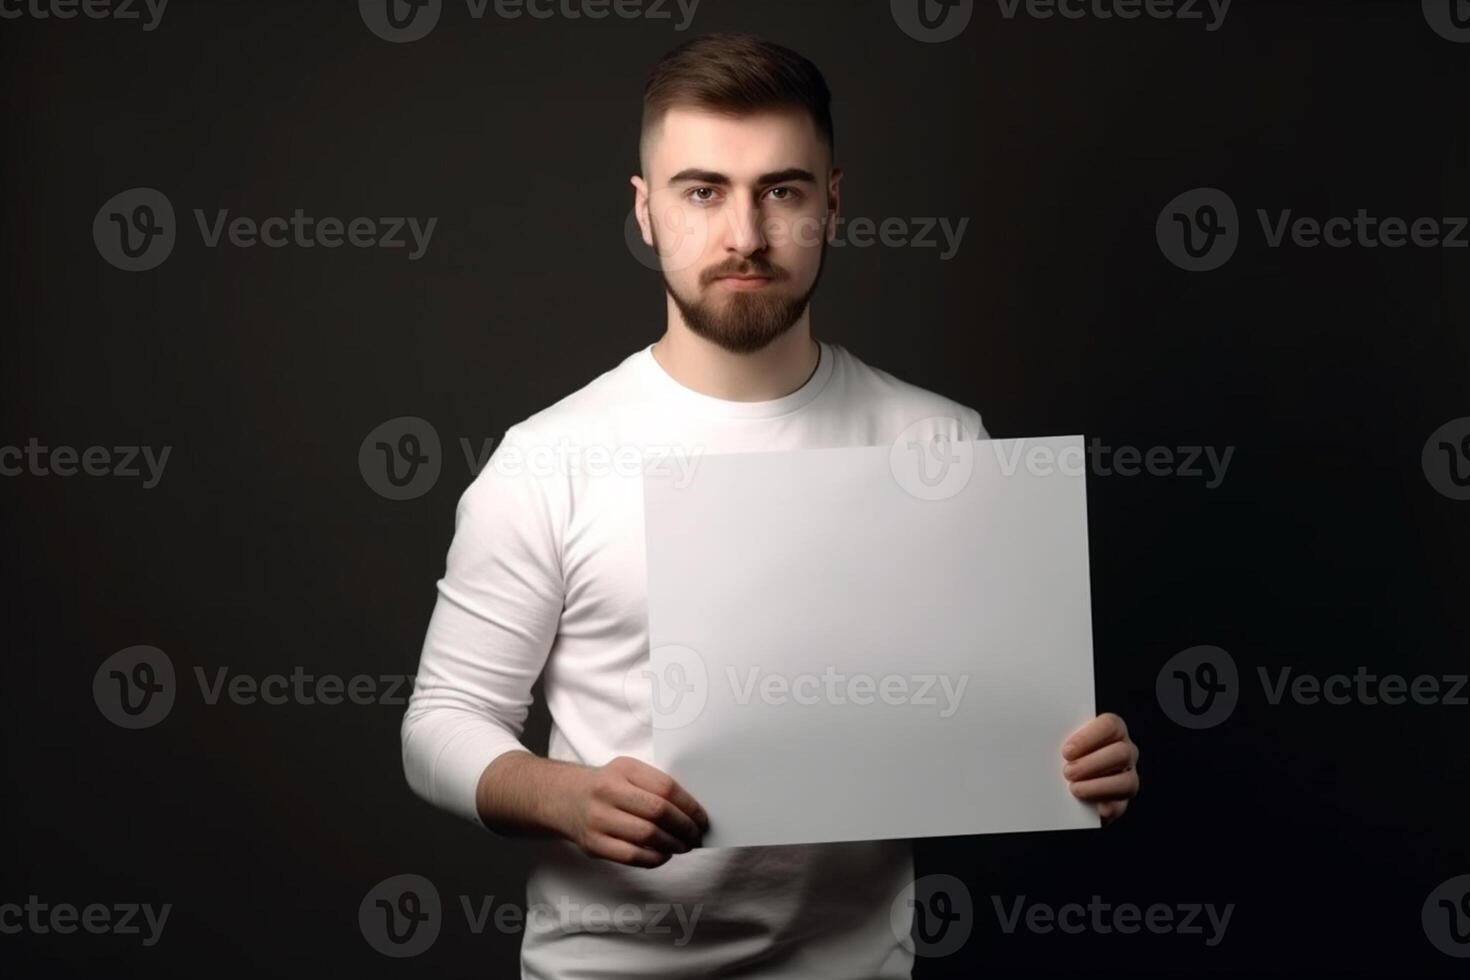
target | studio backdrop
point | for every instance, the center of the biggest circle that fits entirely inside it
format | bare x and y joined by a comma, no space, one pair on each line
248,245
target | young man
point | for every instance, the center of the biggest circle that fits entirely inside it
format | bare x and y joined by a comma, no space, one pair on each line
738,196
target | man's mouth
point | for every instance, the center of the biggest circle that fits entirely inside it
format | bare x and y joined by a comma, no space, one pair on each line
744,282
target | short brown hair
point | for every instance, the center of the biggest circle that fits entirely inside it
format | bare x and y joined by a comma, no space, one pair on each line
736,74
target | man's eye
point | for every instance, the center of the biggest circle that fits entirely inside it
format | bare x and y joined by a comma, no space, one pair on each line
792,194
702,200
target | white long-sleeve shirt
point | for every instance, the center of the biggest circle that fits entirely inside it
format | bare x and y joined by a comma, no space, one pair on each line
546,574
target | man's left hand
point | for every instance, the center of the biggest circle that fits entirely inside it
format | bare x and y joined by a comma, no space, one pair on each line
1102,765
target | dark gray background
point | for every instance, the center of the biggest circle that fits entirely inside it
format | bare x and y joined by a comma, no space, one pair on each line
263,548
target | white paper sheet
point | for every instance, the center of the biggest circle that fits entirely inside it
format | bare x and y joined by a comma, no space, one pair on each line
787,588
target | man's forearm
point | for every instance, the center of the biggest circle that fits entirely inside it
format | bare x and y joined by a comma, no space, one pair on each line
523,795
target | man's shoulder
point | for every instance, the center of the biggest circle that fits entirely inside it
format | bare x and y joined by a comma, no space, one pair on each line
895,405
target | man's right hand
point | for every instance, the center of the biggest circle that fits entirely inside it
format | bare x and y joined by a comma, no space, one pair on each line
629,812
626,811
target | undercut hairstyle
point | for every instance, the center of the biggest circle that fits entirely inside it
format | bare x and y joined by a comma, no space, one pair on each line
735,74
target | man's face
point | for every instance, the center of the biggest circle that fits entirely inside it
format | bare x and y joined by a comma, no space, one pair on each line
739,210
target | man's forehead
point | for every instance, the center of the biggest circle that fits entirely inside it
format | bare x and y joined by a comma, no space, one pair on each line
743,146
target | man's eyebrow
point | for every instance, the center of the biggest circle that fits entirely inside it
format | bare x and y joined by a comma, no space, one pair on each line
721,180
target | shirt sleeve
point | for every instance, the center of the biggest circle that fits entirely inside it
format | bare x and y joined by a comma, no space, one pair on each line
494,620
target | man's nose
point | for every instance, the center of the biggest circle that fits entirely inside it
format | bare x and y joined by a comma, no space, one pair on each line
746,232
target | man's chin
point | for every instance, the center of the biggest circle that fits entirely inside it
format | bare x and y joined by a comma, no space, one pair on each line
741,323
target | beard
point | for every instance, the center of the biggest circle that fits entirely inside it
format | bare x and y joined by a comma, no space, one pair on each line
744,322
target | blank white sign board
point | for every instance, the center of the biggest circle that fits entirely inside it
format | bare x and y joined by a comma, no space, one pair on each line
844,649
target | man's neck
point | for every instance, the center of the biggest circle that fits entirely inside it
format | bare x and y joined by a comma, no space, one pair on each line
778,369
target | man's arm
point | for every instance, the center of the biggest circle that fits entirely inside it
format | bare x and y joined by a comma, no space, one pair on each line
496,616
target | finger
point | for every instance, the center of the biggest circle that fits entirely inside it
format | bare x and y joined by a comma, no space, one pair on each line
1121,786
660,783
657,810
1098,732
636,830
1104,762
1111,810
623,852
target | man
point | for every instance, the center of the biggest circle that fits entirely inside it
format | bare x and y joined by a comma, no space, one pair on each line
738,196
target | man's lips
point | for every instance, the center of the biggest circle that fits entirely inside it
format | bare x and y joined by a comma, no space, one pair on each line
743,282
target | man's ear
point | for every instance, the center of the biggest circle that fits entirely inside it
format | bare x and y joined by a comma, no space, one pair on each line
640,207
834,203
